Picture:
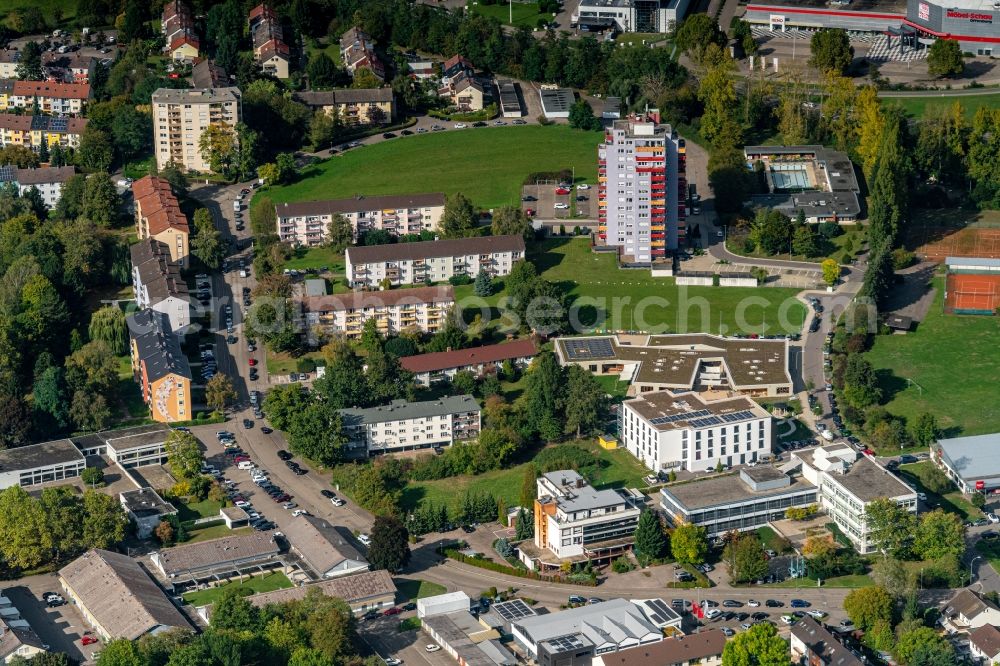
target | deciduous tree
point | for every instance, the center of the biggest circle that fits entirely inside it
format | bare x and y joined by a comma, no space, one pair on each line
760,645
390,548
744,558
944,58
868,605
207,243
184,454
340,233
107,324
939,534
831,50
890,526
459,217
688,544
219,392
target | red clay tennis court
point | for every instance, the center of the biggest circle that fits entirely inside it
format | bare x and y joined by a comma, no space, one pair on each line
972,294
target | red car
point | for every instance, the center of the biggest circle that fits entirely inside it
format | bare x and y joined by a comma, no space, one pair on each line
562,190
868,452
392,611
253,361
530,212
89,640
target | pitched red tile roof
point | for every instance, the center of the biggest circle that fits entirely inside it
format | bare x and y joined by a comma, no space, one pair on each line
49,89
461,358
182,40
156,202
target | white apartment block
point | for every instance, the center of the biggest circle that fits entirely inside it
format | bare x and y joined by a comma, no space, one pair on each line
694,432
848,481
572,519
422,308
433,261
308,222
411,426
48,181
158,285
181,116
641,177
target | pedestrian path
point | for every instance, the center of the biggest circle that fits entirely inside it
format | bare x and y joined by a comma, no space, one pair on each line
886,50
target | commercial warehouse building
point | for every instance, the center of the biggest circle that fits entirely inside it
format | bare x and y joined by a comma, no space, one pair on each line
411,426
556,102
743,502
432,261
975,24
308,222
697,362
973,463
694,432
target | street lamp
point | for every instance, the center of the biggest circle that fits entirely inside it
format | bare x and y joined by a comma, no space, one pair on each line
972,576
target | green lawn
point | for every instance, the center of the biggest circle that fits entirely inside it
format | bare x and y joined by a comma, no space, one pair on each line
194,510
266,583
129,394
283,364
620,469
637,38
918,106
411,590
215,532
991,550
613,386
834,247
800,432
849,581
525,13
953,501
633,300
48,8
770,539
488,165
318,257
942,368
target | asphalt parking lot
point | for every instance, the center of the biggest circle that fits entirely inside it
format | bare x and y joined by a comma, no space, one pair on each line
60,628
546,200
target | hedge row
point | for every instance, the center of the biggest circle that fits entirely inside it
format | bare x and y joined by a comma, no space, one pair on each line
490,565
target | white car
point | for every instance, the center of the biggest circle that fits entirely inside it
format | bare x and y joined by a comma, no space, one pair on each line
753,603
289,506
993,518
392,661
460,125
367,540
431,647
818,614
243,504
561,206
299,512
712,614
788,619
583,186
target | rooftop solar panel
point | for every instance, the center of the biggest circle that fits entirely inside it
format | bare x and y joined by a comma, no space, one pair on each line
674,418
589,348
705,422
512,610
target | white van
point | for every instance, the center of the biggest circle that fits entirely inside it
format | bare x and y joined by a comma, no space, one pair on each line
237,206
245,464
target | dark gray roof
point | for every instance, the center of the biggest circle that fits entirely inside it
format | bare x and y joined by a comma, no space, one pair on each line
345,96
43,175
399,410
360,204
370,254
556,101
869,481
158,347
206,74
56,452
146,502
217,553
320,544
822,644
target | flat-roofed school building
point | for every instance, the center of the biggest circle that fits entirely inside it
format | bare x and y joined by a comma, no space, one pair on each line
40,463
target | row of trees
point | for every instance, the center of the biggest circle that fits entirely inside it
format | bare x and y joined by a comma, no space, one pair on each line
56,526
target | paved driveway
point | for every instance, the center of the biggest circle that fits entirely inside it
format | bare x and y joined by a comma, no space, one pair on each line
61,628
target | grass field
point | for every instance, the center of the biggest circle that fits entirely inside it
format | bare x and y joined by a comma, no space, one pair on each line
942,368
488,165
317,257
266,583
283,364
637,38
48,8
194,510
918,106
411,590
525,13
633,300
621,469
991,551
838,581
952,501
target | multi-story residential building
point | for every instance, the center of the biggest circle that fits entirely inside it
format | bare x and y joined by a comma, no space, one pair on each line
8,63
158,285
69,67
181,116
435,367
159,216
48,181
308,222
743,502
848,482
694,432
353,106
968,611
269,47
464,92
411,426
812,644
160,367
59,99
34,131
421,308
574,520
641,189
696,362
357,50
434,261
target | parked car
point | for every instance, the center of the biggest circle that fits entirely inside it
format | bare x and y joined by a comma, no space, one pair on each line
365,539
800,603
561,206
431,647
266,430
327,493
562,191
89,640
284,455
392,611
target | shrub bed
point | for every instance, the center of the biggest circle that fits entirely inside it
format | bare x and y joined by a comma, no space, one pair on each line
490,565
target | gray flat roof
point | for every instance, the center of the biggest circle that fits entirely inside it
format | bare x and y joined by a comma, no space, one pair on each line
868,481
60,451
975,457
618,618
556,101
722,490
401,410
146,502
972,262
